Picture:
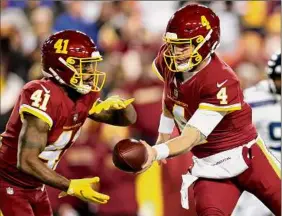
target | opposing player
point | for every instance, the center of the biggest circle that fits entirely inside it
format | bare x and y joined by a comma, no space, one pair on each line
47,119
203,96
264,98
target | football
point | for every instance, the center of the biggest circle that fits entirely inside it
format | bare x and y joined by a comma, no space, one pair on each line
129,155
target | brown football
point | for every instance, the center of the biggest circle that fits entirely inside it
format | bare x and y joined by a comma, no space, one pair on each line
129,155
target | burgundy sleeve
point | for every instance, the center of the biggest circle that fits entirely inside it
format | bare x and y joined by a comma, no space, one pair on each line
37,100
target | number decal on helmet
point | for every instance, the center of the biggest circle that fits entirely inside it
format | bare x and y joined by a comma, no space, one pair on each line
61,49
205,22
222,96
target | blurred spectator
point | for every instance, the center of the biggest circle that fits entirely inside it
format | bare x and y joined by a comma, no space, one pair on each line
156,14
107,12
41,19
229,26
72,19
114,20
10,84
15,19
16,61
249,74
253,46
91,10
273,30
255,14
25,3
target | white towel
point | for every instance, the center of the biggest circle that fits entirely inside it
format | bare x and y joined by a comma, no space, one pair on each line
226,164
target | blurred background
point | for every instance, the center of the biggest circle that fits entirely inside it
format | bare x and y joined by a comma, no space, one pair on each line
128,34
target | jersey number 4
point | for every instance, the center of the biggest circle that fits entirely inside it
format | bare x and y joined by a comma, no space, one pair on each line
205,22
222,96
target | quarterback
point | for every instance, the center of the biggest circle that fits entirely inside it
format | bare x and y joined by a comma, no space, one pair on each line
202,95
46,121
264,98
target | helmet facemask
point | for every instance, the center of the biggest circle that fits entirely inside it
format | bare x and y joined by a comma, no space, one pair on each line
182,55
86,77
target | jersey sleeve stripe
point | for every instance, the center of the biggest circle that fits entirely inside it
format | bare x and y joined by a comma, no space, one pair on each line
207,106
271,159
36,112
155,69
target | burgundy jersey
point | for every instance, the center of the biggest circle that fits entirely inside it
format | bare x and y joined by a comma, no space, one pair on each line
49,102
215,87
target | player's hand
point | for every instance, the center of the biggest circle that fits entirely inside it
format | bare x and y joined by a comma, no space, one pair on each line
152,154
113,102
82,189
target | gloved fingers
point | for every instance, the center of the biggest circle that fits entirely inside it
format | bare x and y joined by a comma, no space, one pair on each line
94,180
123,104
100,201
94,196
119,105
99,196
128,101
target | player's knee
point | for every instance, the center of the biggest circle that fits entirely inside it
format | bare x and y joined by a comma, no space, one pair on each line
212,211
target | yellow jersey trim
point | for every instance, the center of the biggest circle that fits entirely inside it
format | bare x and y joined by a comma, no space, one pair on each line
212,107
271,159
155,69
36,112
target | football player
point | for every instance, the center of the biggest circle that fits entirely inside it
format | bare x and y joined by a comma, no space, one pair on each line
264,98
47,119
202,95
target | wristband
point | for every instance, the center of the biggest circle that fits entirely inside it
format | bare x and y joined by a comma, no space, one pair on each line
162,151
166,125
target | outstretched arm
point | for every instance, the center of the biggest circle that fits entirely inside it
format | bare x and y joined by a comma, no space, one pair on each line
190,137
32,141
195,132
